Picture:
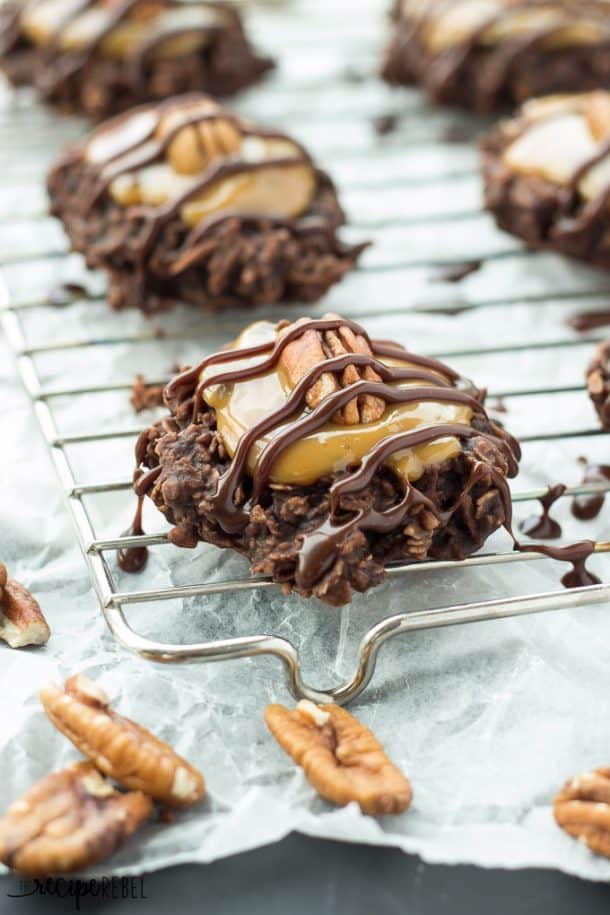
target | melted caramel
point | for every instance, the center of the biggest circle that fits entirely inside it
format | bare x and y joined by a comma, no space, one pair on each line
240,406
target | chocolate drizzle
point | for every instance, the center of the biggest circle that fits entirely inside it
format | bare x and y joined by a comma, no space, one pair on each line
432,381
543,526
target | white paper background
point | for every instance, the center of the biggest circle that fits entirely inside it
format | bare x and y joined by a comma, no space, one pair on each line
488,720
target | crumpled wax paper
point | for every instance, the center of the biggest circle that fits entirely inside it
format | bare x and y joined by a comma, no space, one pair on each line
488,719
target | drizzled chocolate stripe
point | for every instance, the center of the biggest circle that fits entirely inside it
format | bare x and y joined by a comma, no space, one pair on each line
334,402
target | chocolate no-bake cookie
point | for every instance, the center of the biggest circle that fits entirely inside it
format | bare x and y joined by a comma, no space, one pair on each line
490,54
184,200
598,383
322,456
547,175
100,57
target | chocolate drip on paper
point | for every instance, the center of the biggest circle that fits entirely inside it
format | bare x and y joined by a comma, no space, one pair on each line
542,526
586,508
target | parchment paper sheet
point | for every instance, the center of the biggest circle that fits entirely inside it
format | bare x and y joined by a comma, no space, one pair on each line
488,720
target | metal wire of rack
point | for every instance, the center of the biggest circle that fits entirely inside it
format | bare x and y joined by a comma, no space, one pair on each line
114,603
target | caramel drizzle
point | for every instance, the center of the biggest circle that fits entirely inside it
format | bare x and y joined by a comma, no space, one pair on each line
320,546
55,69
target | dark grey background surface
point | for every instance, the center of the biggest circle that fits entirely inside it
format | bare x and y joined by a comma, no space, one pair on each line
302,876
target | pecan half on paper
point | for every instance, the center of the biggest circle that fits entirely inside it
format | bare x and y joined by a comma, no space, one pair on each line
314,347
582,808
69,820
21,620
341,758
120,748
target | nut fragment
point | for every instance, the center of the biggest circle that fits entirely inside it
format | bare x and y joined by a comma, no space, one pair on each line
313,347
196,146
67,821
119,747
340,757
21,620
582,808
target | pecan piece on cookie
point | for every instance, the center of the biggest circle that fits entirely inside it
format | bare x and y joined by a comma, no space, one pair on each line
582,809
314,347
341,758
21,620
67,821
120,748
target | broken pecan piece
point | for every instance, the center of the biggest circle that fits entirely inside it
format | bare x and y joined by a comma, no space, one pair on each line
341,758
314,347
21,620
67,821
119,747
582,808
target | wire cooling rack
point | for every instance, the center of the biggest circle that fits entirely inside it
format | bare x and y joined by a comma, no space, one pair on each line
424,204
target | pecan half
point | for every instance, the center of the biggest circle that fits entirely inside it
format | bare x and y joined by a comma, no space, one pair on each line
582,808
196,146
67,821
119,747
341,758
21,620
314,347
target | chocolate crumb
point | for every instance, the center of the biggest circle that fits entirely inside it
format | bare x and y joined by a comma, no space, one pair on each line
385,124
455,273
589,320
145,396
